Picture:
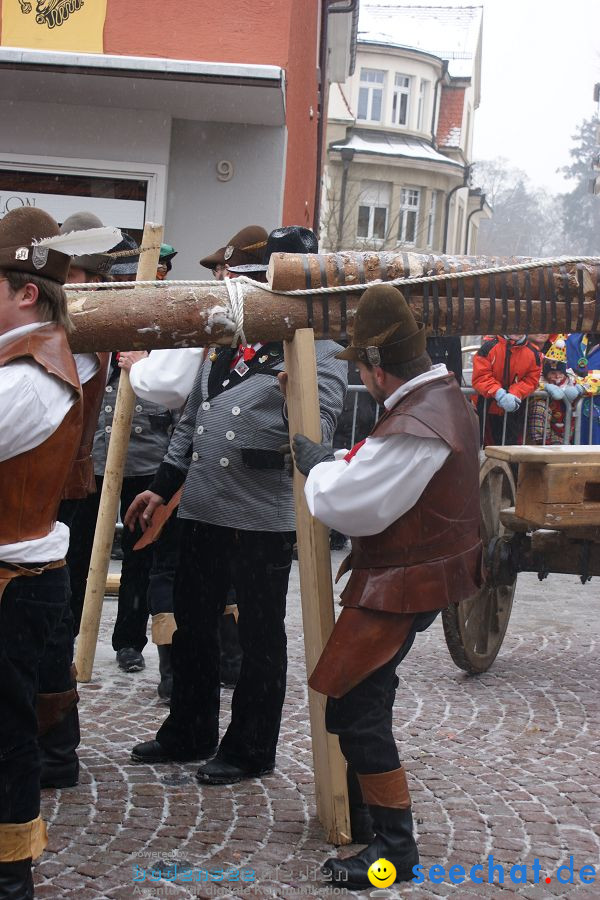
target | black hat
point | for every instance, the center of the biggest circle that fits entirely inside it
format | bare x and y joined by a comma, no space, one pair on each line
289,239
125,265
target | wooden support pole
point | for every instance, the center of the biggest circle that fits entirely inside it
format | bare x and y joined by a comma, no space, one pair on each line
111,486
316,589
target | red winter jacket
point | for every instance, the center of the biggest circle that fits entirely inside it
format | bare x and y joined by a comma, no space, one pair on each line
502,362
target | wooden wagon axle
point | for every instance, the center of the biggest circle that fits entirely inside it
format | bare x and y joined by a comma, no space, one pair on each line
543,552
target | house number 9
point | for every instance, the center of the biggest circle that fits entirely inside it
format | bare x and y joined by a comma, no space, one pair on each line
224,170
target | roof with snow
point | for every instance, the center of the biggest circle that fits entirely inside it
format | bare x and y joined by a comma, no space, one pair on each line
445,30
380,143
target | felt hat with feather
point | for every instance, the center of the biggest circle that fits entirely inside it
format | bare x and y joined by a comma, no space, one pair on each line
31,242
385,330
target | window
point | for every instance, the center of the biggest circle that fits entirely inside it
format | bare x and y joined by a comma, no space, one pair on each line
422,103
370,95
373,210
409,211
400,101
431,218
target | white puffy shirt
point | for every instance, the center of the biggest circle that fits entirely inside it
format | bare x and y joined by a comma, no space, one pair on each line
382,481
166,377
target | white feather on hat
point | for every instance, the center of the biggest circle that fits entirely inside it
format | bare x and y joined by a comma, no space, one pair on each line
82,242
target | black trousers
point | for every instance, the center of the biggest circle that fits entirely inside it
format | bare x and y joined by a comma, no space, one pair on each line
132,612
36,643
257,564
161,577
362,718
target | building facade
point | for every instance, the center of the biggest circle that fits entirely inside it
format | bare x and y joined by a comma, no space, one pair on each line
400,133
202,116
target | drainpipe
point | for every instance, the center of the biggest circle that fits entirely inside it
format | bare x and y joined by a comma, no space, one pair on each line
466,176
321,113
469,217
435,97
347,154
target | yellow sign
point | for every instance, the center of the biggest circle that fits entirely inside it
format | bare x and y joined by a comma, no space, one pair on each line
74,25
382,873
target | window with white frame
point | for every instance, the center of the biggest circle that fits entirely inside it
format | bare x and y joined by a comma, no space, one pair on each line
408,216
422,103
373,210
400,99
370,95
431,218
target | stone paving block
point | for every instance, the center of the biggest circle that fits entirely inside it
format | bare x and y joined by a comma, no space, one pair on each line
506,763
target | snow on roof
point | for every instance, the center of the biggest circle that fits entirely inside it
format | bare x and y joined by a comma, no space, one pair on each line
383,144
446,30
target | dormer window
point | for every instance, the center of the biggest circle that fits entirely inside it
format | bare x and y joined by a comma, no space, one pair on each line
400,99
370,95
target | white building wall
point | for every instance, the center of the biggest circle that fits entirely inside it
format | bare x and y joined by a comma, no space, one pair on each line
203,212
199,211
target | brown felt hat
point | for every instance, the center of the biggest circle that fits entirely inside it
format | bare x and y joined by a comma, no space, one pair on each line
385,330
96,263
244,248
20,230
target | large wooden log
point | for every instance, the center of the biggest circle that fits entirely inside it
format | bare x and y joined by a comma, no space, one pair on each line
295,271
193,316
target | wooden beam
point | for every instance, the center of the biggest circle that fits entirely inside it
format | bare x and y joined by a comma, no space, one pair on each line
111,487
164,316
314,559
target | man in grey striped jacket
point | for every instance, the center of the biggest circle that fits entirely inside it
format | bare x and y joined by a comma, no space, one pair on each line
238,518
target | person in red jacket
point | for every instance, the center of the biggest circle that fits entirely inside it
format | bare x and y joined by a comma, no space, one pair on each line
506,370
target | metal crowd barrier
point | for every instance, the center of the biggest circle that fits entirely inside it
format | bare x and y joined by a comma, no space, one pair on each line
581,433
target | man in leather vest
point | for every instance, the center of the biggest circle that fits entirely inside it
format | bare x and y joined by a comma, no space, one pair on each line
409,497
40,410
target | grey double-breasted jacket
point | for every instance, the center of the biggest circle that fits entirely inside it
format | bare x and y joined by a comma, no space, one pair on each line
227,441
150,432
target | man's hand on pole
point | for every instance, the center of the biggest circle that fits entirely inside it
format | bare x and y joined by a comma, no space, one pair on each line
142,509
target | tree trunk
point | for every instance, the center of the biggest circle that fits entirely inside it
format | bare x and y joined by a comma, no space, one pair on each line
147,318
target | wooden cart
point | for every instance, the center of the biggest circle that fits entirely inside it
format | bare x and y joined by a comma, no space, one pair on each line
548,522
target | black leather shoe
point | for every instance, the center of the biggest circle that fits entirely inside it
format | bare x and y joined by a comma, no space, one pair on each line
130,659
393,841
152,752
217,771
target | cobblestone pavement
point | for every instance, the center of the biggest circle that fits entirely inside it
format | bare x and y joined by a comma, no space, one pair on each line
506,764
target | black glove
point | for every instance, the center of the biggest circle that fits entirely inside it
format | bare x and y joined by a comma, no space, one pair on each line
307,453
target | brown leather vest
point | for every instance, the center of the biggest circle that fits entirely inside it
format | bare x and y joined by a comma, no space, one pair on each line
431,556
31,484
81,480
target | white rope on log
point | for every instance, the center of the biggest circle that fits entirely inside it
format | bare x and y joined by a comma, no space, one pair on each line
345,288
235,289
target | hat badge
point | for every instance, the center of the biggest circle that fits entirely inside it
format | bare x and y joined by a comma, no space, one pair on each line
228,251
22,253
39,256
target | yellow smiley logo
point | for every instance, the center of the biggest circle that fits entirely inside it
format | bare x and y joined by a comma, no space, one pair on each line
382,873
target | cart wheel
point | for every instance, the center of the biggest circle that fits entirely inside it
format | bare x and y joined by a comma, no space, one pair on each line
475,628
